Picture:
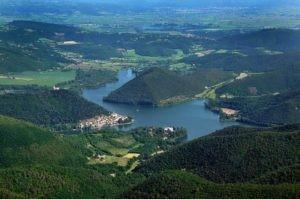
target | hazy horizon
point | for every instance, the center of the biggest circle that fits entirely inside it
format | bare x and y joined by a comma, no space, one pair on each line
175,3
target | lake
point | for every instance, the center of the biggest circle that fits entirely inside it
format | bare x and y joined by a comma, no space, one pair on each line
191,115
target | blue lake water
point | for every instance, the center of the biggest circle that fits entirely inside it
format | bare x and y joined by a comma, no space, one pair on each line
191,115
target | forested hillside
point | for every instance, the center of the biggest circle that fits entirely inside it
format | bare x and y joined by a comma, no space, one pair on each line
30,45
24,47
48,108
265,110
37,163
273,39
235,154
255,51
59,60
278,81
288,174
157,86
24,144
181,184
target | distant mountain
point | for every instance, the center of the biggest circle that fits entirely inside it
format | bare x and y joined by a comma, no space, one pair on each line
48,107
256,62
158,86
205,3
274,39
31,45
27,45
93,7
259,51
235,154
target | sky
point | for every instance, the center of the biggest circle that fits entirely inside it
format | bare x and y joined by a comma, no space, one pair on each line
149,4
236,3
190,3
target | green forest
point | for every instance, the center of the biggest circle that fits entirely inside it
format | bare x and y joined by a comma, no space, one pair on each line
235,154
150,99
157,86
48,108
37,163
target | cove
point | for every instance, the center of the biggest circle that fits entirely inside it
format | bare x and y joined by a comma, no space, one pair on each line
191,115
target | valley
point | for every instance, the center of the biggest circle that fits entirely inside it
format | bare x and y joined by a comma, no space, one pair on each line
149,99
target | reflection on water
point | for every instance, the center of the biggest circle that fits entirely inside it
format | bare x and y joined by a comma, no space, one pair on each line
191,115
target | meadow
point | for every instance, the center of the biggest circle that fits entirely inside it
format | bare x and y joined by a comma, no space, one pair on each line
44,78
114,147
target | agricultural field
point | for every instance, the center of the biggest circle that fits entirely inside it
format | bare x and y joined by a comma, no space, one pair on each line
44,78
131,58
112,148
126,149
120,161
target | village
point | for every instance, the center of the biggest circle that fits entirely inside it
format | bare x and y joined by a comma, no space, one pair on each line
99,122
227,113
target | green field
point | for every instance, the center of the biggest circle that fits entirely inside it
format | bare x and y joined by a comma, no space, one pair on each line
45,78
134,57
110,148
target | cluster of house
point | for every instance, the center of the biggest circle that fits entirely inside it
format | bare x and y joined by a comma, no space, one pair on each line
101,121
169,129
229,113
98,157
166,134
56,88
